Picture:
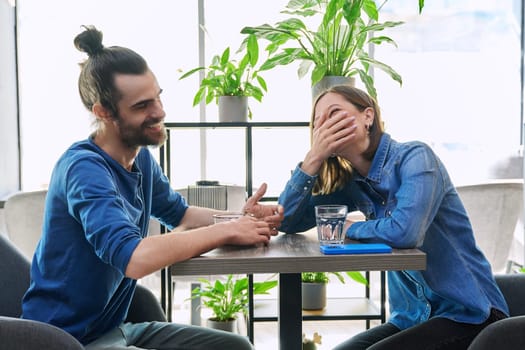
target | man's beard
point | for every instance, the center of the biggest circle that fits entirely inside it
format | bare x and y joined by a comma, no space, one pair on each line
133,136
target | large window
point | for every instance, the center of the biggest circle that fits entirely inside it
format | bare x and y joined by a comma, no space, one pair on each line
460,63
52,116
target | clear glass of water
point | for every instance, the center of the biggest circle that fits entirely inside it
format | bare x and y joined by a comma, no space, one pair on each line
330,221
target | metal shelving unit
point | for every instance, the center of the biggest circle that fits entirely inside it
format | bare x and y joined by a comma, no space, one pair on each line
266,310
337,308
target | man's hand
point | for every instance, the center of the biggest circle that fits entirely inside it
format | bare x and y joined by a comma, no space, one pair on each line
272,214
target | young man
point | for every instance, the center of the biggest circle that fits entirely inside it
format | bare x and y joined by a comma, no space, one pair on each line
102,193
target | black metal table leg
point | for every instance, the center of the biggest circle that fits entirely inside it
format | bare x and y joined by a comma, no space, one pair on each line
290,312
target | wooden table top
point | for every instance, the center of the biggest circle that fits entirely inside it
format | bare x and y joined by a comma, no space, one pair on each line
294,253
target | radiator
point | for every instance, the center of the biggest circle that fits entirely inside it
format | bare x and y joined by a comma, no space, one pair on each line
215,196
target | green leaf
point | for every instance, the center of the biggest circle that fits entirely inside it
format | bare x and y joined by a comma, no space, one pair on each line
384,67
318,73
352,10
369,83
187,74
198,96
263,287
301,4
339,276
253,50
283,59
332,9
377,40
290,26
370,8
225,56
262,83
304,67
376,27
358,277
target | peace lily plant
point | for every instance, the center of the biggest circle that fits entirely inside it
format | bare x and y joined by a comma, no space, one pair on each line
338,47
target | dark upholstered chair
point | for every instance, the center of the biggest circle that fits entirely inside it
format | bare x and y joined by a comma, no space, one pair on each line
145,307
16,333
510,332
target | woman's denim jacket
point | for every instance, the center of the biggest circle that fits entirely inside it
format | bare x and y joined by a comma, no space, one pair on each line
409,201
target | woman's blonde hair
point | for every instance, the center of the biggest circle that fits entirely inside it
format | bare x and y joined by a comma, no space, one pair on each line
335,172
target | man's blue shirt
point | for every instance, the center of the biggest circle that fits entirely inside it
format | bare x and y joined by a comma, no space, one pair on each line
96,213
409,201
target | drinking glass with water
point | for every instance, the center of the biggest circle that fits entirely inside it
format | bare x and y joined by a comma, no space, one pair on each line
330,221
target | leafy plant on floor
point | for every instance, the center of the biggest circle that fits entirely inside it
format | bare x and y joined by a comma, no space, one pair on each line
227,299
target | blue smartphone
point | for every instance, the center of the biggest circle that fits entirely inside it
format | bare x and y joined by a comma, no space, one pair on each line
355,248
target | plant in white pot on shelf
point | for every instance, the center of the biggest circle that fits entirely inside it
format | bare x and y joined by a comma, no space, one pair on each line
337,47
229,298
313,287
231,81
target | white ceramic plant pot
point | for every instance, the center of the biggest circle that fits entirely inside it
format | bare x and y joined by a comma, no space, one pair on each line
329,81
233,109
229,326
313,296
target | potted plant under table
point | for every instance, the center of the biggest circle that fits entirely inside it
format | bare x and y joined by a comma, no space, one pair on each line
227,299
313,287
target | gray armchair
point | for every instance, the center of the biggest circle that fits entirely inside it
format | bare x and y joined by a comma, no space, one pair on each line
510,332
23,334
494,209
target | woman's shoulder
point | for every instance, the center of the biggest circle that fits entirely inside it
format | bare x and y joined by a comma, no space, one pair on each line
411,145
414,150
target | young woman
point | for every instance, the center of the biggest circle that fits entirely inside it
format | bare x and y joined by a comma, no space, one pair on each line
409,201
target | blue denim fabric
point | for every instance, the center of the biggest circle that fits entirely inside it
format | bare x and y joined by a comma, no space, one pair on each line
96,214
410,202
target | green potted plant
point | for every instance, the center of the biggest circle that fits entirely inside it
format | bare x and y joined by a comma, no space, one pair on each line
228,79
313,287
337,48
228,298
